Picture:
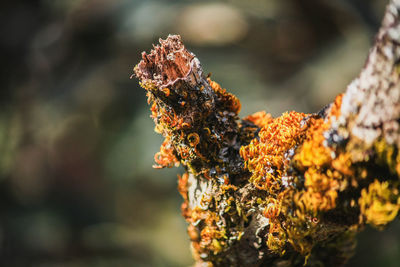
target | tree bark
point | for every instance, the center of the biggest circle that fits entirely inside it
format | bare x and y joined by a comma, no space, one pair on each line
283,191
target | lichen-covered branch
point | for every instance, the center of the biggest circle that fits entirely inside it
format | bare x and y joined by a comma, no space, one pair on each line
286,191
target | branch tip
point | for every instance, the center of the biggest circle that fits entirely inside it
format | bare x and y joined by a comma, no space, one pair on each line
167,62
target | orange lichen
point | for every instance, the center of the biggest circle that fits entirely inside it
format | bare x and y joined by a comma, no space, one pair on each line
183,190
273,208
183,185
260,118
193,139
342,164
266,155
305,173
166,157
296,140
323,172
211,237
166,91
229,100
336,105
276,238
193,233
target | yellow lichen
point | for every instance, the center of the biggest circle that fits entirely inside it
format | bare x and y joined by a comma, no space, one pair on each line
269,158
300,235
379,204
276,238
387,155
307,173
324,172
313,152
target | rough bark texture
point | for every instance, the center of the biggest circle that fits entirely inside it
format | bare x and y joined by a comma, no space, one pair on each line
283,191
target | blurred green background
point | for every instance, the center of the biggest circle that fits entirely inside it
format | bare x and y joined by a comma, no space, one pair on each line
76,140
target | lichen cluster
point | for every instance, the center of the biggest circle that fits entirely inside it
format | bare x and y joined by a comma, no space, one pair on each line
310,173
199,121
287,190
379,203
304,166
194,135
267,158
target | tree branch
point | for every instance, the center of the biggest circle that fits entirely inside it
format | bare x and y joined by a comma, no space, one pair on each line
284,191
